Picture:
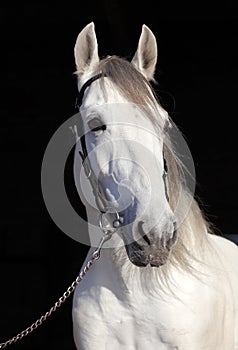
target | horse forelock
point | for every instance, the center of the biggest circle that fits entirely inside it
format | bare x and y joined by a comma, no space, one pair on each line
129,81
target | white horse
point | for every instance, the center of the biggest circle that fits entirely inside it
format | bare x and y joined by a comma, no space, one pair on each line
163,280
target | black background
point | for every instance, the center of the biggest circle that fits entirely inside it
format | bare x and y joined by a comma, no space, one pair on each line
197,73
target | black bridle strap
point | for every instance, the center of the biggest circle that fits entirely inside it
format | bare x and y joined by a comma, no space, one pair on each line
100,201
79,99
78,103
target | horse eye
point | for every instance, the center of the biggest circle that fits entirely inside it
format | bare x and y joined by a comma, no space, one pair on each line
96,125
99,128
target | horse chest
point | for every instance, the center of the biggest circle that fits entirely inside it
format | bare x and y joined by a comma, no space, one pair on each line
110,323
110,318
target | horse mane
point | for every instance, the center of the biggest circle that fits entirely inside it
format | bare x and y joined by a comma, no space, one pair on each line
194,228
129,81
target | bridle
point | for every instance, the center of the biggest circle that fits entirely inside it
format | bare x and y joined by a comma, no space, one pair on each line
101,202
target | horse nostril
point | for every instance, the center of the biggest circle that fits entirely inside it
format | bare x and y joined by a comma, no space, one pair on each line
146,239
172,240
142,233
175,235
175,225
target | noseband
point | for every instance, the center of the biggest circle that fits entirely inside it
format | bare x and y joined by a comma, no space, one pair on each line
99,198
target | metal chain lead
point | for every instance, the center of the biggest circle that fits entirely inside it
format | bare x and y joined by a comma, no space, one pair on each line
61,300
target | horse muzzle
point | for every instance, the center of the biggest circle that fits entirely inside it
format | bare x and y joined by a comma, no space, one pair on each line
151,248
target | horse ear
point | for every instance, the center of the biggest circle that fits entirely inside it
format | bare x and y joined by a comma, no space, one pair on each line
145,58
86,50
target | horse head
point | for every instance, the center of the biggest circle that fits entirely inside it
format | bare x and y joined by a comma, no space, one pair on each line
122,148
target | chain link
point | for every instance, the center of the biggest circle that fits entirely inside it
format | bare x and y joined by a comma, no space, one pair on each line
59,302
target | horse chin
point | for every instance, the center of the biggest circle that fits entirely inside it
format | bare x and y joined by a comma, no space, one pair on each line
141,257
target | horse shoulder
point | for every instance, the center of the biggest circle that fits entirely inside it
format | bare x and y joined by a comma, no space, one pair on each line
227,253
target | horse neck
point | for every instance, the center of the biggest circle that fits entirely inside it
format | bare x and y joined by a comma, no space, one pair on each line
113,252
114,270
